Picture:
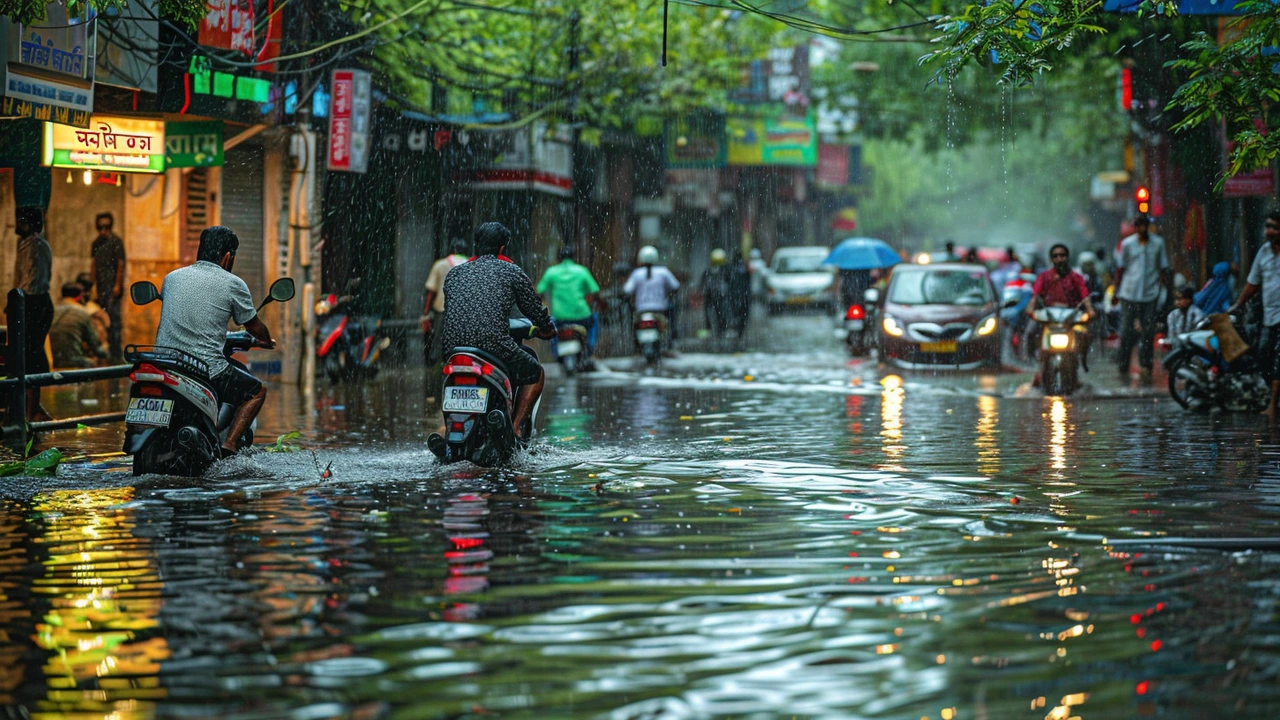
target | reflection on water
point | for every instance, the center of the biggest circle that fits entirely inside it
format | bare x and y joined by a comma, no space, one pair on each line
674,553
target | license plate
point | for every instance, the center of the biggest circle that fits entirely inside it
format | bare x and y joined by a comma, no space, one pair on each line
853,325
799,300
465,398
568,347
946,346
647,335
149,411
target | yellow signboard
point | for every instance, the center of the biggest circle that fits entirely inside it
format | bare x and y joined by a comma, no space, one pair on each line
117,144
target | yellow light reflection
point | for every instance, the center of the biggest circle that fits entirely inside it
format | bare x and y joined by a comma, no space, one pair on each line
1058,435
891,401
103,591
987,440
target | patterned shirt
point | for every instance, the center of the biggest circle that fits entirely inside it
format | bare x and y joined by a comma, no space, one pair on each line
34,265
199,301
480,294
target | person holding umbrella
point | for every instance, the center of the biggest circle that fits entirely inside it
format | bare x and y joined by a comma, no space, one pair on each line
856,258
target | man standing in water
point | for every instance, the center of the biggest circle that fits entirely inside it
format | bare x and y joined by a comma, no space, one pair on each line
32,270
1264,275
1142,266
108,274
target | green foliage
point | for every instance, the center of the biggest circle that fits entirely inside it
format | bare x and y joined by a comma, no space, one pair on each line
283,443
519,57
183,12
43,465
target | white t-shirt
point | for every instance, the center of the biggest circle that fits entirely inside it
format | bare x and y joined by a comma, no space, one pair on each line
1265,273
651,289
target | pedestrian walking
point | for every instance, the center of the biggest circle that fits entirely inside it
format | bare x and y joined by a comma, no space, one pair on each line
32,270
714,287
738,302
108,273
1142,269
1264,277
433,308
72,337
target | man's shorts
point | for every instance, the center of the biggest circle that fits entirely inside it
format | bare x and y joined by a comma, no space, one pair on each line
235,386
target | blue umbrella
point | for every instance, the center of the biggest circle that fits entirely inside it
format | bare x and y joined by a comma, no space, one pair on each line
862,253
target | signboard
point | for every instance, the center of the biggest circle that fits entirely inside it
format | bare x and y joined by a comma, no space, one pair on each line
783,140
833,165
529,158
111,143
193,144
48,70
694,142
228,24
349,121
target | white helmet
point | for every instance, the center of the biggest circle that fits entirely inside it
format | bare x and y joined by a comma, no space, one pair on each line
648,255
1087,258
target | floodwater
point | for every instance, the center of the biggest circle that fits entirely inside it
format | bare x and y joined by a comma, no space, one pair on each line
757,535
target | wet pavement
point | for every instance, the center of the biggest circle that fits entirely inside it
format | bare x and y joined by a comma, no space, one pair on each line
782,532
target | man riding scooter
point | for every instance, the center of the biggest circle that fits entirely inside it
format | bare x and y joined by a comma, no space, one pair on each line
199,300
574,295
481,293
1059,286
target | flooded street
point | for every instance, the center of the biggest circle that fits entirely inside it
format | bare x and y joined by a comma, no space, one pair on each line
752,535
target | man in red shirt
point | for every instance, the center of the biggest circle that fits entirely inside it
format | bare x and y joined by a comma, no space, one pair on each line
1060,286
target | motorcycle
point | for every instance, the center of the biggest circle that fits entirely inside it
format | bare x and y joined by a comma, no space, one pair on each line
859,320
478,402
649,337
346,348
1060,348
571,347
175,423
1202,377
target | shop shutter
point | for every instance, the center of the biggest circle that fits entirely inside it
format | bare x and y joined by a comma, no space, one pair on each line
196,212
243,184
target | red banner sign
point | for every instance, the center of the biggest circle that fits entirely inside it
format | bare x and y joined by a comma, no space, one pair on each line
228,24
349,121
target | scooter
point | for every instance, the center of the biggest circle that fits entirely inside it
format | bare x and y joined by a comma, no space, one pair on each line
1201,377
1060,348
649,337
571,347
175,423
347,349
478,401
859,319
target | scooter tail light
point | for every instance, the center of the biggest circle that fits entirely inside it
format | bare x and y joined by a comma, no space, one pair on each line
486,369
146,372
855,312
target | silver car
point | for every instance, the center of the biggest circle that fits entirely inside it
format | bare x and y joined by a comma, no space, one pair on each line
797,278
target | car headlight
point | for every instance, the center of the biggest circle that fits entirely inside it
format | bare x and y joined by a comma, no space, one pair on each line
892,327
988,326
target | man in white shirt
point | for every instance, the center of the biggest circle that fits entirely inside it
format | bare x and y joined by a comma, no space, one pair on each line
433,308
1142,268
651,284
1264,275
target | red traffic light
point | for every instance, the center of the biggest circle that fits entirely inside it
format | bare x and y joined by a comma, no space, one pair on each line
1142,194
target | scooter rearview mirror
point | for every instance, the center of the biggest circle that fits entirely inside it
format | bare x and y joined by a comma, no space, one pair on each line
143,292
282,290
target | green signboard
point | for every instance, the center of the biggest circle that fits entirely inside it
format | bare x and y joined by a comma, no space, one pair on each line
781,140
193,144
695,142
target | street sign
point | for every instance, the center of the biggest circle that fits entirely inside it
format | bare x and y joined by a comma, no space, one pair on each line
349,112
193,144
110,143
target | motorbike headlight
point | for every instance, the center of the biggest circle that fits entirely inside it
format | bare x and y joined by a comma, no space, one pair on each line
892,327
987,326
1059,341
322,308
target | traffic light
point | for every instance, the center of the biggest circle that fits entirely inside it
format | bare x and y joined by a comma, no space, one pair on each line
1142,196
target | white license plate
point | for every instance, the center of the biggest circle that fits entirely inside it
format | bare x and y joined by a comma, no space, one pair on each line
465,398
568,347
149,411
853,325
647,335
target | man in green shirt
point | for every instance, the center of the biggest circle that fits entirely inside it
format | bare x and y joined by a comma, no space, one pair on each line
573,295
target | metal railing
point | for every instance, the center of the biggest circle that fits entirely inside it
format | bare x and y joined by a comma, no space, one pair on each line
16,429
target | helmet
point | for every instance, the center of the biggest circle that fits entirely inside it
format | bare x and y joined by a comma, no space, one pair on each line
756,254
718,257
1087,258
648,255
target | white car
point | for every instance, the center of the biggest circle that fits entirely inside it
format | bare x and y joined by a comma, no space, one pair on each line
797,278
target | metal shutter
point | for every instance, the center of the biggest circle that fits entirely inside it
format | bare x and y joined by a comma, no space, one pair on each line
195,212
242,200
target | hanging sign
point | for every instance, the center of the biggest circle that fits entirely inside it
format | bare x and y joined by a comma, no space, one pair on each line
110,143
46,71
228,24
193,144
349,120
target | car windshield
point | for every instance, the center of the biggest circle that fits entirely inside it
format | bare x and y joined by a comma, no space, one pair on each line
800,262
940,287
